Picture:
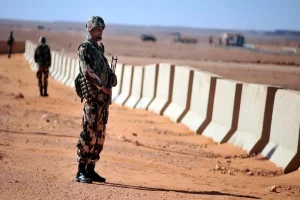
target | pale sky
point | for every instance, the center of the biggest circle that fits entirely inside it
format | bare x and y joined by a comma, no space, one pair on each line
228,14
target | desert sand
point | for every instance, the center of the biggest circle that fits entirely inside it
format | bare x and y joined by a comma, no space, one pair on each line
146,156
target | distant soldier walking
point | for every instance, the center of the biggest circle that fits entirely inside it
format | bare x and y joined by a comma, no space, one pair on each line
210,40
10,43
42,57
94,85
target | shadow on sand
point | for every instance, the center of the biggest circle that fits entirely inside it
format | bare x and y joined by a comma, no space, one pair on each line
213,193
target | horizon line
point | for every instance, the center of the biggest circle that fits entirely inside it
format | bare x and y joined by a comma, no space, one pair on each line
157,26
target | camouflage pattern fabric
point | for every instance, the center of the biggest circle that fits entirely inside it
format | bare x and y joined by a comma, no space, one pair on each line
95,70
95,22
42,55
42,75
92,137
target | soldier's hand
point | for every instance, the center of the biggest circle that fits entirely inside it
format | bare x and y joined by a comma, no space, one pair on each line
106,90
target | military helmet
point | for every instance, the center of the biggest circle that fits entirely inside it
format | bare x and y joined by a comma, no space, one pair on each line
94,22
42,40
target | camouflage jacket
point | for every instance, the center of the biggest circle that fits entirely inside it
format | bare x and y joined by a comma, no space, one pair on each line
42,55
93,63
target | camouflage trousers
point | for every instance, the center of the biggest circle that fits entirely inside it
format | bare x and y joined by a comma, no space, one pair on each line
42,75
92,137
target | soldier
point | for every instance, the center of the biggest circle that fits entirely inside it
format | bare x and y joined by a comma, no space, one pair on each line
42,57
93,84
210,40
10,43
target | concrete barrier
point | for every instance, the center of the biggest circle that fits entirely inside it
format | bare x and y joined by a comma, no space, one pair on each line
181,97
57,65
60,66
119,73
257,118
72,73
225,111
253,131
63,69
53,57
18,47
164,88
149,86
283,148
26,53
72,83
67,73
136,88
31,53
33,64
203,93
126,85
54,64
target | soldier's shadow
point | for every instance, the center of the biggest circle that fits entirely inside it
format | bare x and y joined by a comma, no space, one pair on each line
214,193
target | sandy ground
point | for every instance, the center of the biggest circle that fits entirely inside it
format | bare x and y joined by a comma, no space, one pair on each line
146,156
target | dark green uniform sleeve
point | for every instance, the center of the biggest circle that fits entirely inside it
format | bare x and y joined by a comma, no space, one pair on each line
85,63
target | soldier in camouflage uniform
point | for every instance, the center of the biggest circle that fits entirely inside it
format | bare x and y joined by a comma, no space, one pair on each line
10,43
95,82
42,57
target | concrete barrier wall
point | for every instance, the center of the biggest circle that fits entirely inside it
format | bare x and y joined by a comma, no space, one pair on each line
119,73
225,111
164,88
136,88
63,70
31,53
18,47
149,86
126,85
255,118
33,63
72,73
181,97
55,65
246,115
26,53
53,57
283,148
59,67
67,74
203,91
77,70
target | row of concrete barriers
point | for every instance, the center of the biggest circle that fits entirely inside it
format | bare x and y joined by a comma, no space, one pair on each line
258,118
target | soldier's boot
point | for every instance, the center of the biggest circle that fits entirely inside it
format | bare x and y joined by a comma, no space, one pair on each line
90,169
81,175
45,92
41,91
45,80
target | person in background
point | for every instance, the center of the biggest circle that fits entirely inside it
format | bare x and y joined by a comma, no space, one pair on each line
10,43
42,57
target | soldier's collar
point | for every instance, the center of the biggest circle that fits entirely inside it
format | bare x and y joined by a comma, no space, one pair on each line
92,41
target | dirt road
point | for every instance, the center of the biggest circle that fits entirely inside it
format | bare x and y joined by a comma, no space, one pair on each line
145,156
